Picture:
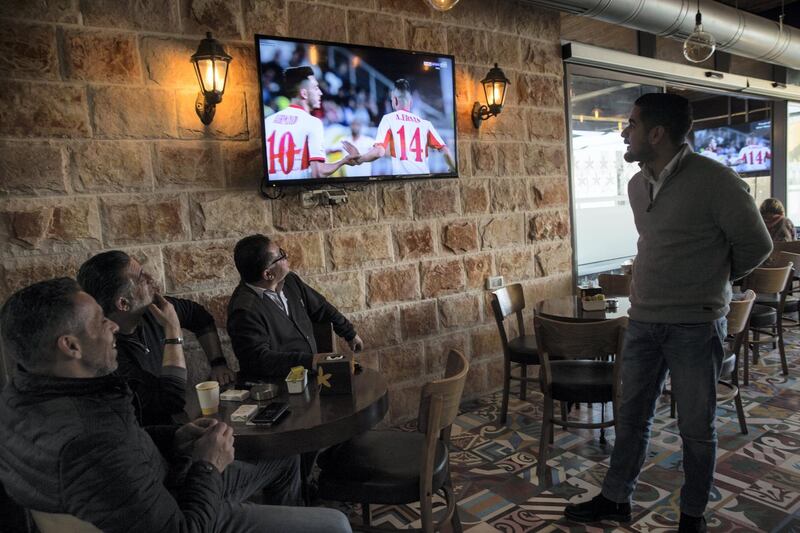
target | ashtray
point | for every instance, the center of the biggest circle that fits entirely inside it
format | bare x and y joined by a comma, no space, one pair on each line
264,392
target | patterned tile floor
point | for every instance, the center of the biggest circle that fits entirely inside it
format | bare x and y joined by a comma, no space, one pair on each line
757,484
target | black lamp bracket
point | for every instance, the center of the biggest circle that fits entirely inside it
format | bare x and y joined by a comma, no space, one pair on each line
204,109
481,113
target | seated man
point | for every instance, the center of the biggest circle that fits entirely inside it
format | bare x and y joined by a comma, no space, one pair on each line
125,290
271,312
70,443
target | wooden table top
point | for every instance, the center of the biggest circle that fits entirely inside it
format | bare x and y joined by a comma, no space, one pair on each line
570,307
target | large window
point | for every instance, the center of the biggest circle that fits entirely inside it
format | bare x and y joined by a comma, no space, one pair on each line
793,162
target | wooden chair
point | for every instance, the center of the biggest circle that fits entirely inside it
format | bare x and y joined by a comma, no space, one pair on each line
396,467
582,373
792,302
770,286
615,284
61,523
520,350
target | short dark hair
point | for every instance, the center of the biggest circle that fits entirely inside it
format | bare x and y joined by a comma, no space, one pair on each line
251,257
772,206
103,277
672,111
34,317
293,78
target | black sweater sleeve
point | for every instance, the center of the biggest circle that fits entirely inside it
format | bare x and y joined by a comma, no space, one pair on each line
193,316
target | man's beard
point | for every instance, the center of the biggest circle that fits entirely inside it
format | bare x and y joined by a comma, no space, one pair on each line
645,155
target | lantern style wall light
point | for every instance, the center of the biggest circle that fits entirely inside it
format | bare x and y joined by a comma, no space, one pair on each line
494,87
442,5
211,66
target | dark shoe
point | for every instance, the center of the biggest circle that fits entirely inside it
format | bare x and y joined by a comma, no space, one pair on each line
692,524
597,509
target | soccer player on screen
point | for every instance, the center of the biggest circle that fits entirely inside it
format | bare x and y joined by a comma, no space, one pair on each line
753,156
294,138
405,136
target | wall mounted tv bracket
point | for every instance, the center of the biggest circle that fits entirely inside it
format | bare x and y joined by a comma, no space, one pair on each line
323,197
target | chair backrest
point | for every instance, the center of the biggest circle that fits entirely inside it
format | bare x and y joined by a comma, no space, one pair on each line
507,301
768,280
785,258
579,340
739,313
61,523
439,399
615,284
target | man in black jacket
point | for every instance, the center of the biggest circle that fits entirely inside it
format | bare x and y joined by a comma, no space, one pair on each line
70,443
125,290
271,313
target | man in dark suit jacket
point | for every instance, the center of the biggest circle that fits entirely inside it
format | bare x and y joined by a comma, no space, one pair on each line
271,312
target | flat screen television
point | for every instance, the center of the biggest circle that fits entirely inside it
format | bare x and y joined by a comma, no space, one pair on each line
746,148
389,113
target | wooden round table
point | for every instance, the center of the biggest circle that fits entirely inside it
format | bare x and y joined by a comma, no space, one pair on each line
570,307
315,421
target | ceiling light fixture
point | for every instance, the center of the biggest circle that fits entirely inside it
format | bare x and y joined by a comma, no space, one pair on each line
699,45
442,5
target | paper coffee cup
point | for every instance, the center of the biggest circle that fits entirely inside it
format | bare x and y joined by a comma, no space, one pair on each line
208,394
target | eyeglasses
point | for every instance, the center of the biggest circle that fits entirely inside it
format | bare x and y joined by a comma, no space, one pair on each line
283,255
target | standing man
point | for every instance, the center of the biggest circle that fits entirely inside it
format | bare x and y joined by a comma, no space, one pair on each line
271,312
405,136
295,139
156,372
698,230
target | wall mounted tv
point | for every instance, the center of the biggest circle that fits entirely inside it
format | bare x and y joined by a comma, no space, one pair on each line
337,113
746,148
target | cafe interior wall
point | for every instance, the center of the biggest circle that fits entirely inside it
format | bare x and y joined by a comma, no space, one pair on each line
100,148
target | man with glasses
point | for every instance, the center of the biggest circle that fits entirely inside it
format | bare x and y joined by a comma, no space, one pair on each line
272,311
149,329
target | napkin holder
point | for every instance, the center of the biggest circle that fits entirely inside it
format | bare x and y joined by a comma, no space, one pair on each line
335,373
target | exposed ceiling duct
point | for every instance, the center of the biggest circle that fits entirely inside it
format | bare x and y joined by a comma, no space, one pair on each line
736,31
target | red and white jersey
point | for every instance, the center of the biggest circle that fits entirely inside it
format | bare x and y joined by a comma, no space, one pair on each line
753,157
294,139
406,138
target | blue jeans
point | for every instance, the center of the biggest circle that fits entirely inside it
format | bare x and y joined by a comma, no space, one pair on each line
693,355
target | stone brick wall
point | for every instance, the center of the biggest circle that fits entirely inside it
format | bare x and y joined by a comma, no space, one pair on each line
100,148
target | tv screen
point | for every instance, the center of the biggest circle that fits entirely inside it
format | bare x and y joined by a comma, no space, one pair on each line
746,148
346,113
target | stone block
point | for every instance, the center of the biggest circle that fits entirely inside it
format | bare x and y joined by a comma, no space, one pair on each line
394,200
319,22
484,159
425,37
101,56
153,15
361,207
28,51
218,16
414,241
460,236
49,225
122,112
550,287
459,310
52,11
19,272
486,342
516,265
442,277
288,215
476,14
505,50
198,266
599,33
378,328
217,215
510,126
542,58
475,196
403,362
359,247
240,70
502,231
478,267
553,258
305,251
139,219
395,284
31,168
44,110
438,348
403,402
187,164
230,118
539,91
243,165
435,199
549,225
375,29
546,126
510,194
476,380
464,157
166,62
550,192
417,9
545,160
468,45
509,159
216,302
344,290
267,17
418,320
105,166
530,20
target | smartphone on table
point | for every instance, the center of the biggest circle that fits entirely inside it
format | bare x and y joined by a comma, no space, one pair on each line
271,414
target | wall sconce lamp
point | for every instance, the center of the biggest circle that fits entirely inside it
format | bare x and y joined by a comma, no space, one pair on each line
494,87
442,5
211,66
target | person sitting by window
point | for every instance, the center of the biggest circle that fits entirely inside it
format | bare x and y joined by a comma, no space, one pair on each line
779,226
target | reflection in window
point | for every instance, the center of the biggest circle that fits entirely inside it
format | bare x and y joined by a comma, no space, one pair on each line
793,162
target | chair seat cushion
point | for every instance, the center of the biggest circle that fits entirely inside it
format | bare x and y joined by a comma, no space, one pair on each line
762,315
378,467
523,350
582,381
773,300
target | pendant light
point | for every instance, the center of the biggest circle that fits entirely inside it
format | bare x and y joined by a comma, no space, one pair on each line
699,45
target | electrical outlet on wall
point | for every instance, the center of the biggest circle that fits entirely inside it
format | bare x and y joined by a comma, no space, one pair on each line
494,282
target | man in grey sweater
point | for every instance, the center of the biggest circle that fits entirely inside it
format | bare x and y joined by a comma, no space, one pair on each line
698,230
